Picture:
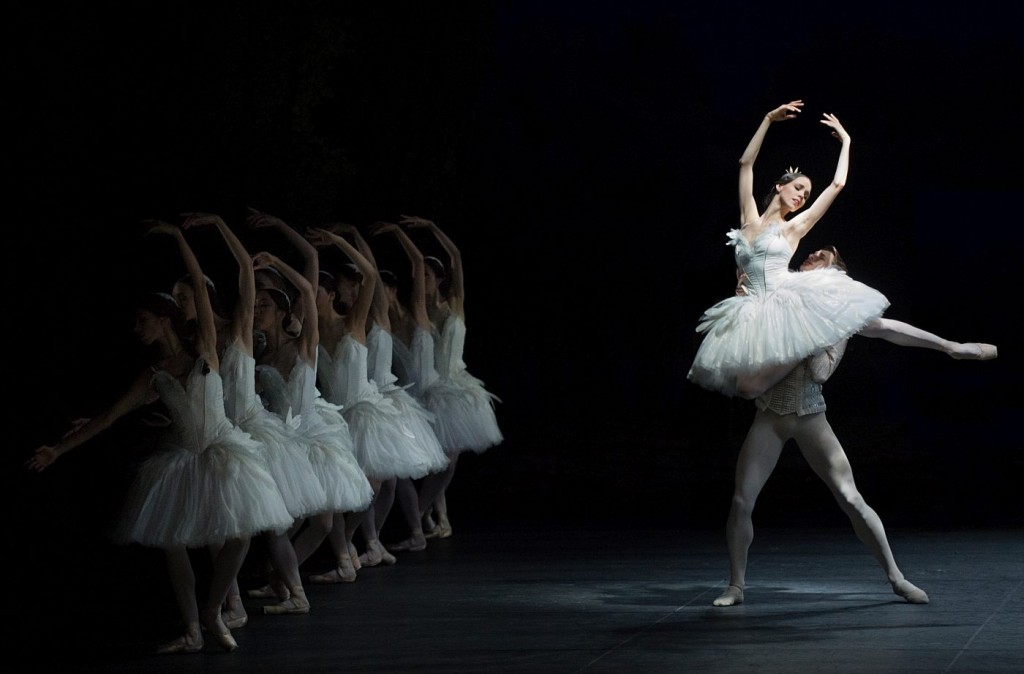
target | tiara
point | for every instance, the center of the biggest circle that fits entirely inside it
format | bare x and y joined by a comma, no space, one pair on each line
793,170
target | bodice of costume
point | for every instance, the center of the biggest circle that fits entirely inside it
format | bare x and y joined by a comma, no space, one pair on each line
238,372
196,409
422,356
296,396
765,261
449,347
379,356
343,375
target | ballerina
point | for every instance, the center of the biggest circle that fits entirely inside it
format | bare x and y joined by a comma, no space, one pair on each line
206,485
463,409
381,436
285,453
752,341
287,374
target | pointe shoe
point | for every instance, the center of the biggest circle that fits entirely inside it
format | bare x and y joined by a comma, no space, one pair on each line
977,351
410,544
265,592
223,639
180,645
912,593
376,554
440,531
274,589
336,575
296,605
234,621
353,556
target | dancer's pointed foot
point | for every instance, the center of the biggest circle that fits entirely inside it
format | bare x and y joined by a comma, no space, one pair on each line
190,642
442,530
235,618
376,554
415,543
353,557
215,627
912,593
343,573
265,592
296,605
732,596
275,588
974,351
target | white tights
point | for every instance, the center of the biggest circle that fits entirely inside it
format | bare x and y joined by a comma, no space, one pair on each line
820,447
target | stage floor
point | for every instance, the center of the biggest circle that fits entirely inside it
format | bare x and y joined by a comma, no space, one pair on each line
564,598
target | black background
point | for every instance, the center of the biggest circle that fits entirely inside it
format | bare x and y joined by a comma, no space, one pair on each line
583,157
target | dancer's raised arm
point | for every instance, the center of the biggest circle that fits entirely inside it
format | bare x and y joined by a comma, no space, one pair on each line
242,315
379,310
749,212
802,223
309,338
355,319
206,337
418,296
456,295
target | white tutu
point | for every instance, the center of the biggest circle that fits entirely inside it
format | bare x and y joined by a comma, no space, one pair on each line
784,317
207,481
463,408
382,440
284,451
321,425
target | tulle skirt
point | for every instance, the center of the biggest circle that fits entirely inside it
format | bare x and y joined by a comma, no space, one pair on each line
806,313
287,457
183,498
463,410
385,445
333,459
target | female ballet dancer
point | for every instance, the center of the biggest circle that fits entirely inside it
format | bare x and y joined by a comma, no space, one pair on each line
382,439
422,443
206,486
751,341
476,429
286,372
284,451
462,407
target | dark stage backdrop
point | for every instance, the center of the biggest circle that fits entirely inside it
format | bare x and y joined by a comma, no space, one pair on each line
583,155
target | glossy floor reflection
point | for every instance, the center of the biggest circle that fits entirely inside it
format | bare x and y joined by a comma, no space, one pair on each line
570,599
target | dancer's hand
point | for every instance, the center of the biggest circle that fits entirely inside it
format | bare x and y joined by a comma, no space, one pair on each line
198,219
837,129
382,228
415,221
319,237
263,261
785,111
42,458
741,289
257,219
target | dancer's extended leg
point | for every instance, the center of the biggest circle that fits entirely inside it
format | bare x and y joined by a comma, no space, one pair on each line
825,455
905,334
